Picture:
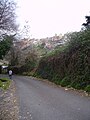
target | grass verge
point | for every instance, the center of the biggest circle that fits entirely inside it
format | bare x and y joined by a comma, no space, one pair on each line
4,83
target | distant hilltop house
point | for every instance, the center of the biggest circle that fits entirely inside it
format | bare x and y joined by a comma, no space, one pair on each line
49,41
57,37
52,42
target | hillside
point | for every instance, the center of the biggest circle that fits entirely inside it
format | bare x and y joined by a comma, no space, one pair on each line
69,65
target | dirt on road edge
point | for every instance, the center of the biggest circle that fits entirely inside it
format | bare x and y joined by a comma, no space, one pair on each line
9,108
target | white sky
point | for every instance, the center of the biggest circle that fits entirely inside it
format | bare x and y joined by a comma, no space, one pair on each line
47,17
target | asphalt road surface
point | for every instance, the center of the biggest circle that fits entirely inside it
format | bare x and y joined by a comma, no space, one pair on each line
40,100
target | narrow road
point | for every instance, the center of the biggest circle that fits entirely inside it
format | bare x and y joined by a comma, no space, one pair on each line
42,101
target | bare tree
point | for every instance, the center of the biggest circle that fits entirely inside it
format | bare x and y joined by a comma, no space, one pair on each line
24,32
7,16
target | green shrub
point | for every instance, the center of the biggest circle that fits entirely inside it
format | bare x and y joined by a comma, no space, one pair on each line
57,82
36,74
73,84
78,86
56,79
65,82
87,89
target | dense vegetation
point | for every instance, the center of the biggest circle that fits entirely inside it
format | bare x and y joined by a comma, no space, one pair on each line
69,65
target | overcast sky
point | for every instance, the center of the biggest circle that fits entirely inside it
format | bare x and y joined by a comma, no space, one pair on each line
47,17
